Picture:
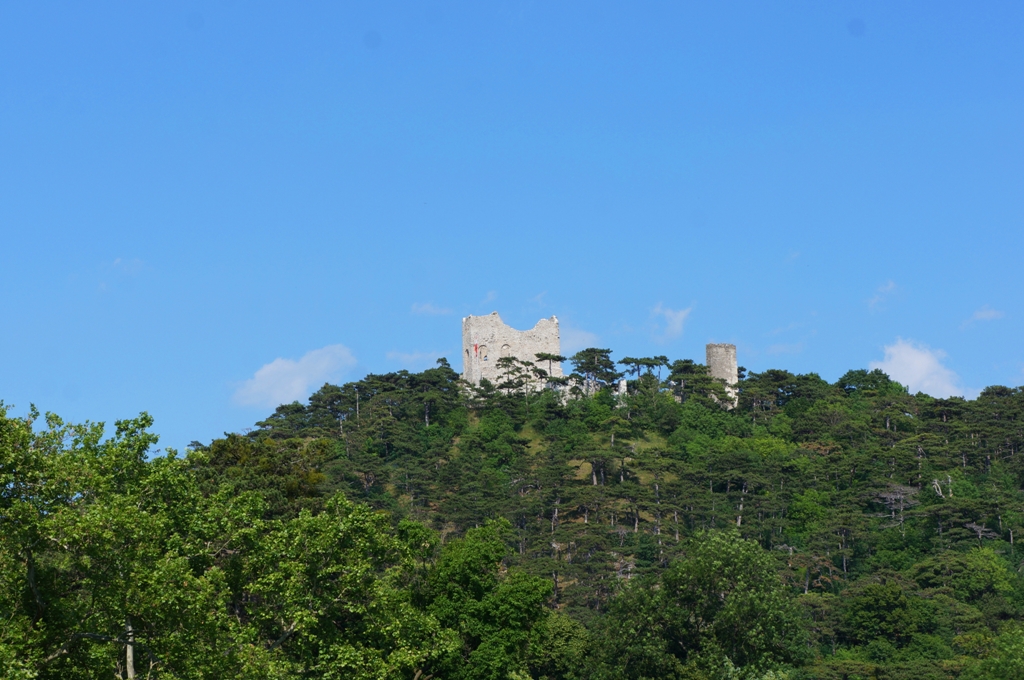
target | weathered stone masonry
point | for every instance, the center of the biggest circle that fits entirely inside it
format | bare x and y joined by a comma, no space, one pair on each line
485,339
721,361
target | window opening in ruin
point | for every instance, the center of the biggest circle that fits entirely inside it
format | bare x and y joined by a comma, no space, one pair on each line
483,352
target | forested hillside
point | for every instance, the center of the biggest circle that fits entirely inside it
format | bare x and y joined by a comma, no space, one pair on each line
410,526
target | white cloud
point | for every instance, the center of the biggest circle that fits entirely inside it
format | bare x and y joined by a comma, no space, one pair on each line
414,359
283,381
130,267
119,271
920,368
883,292
986,313
674,320
575,339
784,329
785,348
429,308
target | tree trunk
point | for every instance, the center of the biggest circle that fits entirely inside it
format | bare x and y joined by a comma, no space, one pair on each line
129,654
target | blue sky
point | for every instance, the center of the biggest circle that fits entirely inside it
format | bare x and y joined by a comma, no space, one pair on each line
205,207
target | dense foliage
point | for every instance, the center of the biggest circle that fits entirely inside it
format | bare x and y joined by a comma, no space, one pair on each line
410,526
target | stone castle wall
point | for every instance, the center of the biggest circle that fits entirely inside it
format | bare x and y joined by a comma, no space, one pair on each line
485,339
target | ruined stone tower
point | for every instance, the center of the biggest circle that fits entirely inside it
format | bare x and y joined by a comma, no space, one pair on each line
721,360
485,339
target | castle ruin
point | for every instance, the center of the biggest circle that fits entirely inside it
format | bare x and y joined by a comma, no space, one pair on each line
485,339
721,362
